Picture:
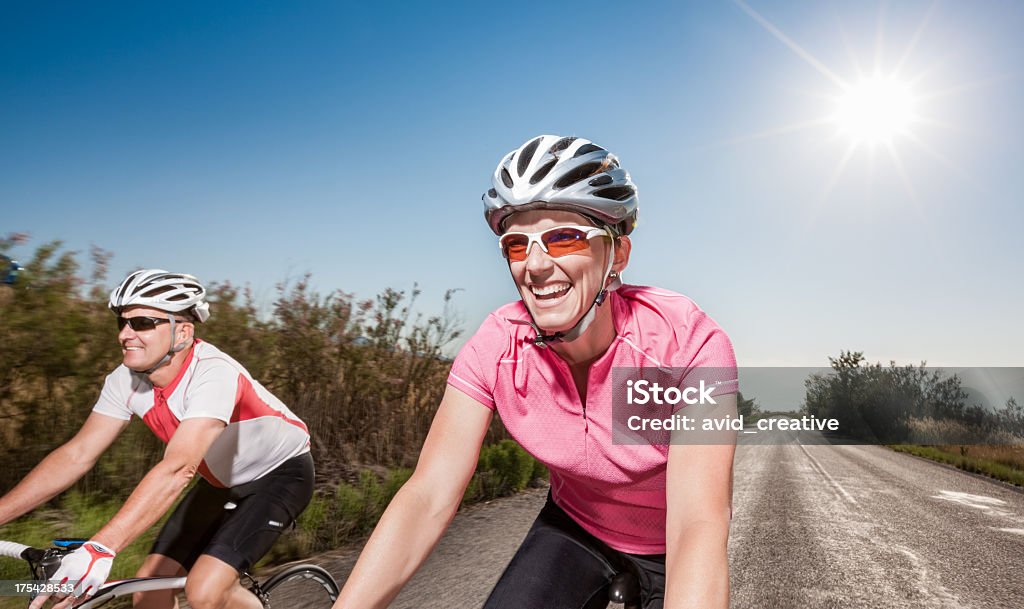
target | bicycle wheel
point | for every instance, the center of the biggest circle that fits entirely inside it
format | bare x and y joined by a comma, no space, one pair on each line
300,586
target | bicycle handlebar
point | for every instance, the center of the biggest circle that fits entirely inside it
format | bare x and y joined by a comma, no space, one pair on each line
12,550
42,563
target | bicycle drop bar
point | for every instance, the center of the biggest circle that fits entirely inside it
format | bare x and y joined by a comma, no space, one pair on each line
13,550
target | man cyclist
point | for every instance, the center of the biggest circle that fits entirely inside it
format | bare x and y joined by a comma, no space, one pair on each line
250,450
563,209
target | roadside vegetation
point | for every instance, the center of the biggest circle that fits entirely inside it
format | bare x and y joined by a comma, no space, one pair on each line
749,409
1004,463
365,375
922,412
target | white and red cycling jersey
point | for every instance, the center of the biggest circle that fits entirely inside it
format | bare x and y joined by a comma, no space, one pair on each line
261,431
616,492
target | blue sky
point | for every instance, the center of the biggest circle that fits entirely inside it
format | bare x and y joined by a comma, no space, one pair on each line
255,142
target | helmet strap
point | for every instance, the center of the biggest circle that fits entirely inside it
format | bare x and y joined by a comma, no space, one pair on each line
170,352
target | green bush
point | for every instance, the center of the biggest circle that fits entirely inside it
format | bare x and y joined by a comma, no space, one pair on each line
350,510
349,507
539,471
313,519
881,404
395,479
503,468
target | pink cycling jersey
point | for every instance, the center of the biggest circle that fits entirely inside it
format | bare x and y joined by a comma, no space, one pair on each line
261,432
615,492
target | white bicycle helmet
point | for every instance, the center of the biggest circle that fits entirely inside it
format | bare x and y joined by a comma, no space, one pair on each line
156,288
570,173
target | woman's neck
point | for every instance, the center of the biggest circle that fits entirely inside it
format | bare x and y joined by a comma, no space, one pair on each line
594,341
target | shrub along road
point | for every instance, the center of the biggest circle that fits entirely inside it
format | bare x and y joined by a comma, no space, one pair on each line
814,526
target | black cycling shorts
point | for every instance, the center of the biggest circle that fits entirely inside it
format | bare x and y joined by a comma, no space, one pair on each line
561,566
237,525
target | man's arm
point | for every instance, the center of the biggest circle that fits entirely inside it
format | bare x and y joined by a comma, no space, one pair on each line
157,491
62,467
422,509
699,496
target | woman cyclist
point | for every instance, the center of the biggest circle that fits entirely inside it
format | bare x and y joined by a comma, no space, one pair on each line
563,209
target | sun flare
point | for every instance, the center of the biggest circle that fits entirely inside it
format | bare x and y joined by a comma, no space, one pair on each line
875,110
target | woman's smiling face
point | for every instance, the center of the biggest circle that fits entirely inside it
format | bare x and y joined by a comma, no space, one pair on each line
557,291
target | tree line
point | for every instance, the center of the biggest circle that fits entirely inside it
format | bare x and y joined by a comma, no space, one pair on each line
365,374
907,404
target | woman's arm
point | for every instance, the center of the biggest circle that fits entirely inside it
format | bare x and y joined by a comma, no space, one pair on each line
422,509
699,496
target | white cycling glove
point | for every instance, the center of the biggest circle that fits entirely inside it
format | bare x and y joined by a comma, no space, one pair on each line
89,565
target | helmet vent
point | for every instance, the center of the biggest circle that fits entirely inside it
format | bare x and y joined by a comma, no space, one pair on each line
526,156
580,173
615,193
163,289
562,173
586,148
156,288
561,144
543,171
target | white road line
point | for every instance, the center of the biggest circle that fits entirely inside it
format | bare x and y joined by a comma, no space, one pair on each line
832,480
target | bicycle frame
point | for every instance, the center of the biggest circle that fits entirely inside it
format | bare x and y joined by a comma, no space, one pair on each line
125,587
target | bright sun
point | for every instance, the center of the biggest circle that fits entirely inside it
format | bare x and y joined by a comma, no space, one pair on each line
880,109
875,110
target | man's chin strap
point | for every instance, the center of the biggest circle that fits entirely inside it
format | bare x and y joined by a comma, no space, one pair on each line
542,340
170,352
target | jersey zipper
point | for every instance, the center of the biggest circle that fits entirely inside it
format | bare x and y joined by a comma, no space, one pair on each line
572,381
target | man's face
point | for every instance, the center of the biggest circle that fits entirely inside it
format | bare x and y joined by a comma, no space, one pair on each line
558,291
143,349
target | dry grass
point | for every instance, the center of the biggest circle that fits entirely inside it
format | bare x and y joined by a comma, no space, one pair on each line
929,431
1010,456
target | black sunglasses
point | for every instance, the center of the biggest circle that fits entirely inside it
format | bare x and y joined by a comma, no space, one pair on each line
143,323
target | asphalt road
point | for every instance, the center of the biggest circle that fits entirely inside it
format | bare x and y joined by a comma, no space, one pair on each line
863,526
814,525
